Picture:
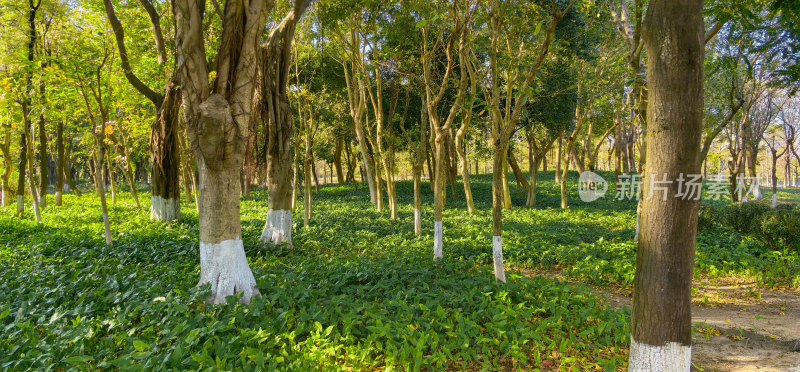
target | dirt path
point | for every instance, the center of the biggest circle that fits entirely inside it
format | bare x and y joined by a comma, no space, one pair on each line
739,327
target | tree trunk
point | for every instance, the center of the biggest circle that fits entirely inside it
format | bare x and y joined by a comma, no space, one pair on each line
43,159
661,318
440,191
506,191
34,192
417,199
100,185
337,160
165,195
23,166
558,159
462,157
498,196
60,162
112,175
512,161
307,165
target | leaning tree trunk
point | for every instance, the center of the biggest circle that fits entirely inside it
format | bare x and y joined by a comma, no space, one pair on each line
165,198
661,324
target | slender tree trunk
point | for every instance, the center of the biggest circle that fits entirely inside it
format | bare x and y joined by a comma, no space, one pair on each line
774,179
498,196
558,159
60,162
661,318
23,166
463,159
307,165
43,159
417,199
337,160
129,172
506,190
34,192
439,192
112,175
99,181
518,175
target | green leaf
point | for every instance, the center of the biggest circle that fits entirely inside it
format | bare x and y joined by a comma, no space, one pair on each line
75,359
140,345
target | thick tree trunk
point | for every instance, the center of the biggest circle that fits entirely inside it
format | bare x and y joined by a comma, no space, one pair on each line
219,152
165,204
278,226
558,158
661,318
223,263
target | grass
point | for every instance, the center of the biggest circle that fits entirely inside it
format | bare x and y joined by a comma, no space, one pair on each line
358,291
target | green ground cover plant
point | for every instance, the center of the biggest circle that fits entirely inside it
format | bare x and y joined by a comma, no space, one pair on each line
357,290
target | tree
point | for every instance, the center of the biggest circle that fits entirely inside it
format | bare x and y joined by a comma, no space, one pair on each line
276,113
217,116
510,60
164,137
661,318
434,94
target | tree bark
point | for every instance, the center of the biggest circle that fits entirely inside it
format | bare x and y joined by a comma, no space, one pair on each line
165,188
217,116
661,317
277,114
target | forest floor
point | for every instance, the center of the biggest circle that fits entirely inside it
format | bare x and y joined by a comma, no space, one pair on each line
737,326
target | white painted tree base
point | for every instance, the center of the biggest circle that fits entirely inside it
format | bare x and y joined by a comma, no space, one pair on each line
757,191
438,239
667,358
417,222
164,209
20,203
774,200
497,258
224,265
278,227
